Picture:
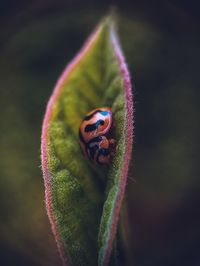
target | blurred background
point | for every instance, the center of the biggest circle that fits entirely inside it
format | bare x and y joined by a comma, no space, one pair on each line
161,41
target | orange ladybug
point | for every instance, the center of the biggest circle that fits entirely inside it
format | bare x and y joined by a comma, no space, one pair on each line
96,136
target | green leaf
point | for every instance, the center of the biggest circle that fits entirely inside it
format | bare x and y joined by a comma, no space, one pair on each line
83,201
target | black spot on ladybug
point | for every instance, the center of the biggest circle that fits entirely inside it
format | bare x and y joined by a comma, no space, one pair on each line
93,150
94,126
96,139
93,146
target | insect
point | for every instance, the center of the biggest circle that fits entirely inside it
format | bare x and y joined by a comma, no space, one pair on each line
96,135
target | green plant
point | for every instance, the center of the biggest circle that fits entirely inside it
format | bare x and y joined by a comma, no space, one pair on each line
84,202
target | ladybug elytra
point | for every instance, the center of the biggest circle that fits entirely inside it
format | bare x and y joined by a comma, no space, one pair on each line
96,136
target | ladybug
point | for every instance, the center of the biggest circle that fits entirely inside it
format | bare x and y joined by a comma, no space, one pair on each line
96,136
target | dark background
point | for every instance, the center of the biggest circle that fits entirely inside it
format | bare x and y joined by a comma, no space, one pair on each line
161,41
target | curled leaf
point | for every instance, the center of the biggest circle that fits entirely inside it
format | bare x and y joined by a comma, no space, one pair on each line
83,201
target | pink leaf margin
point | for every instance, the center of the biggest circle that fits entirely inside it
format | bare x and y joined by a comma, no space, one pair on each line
44,143
107,249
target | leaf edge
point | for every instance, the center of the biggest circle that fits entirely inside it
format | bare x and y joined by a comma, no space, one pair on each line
66,260
106,250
